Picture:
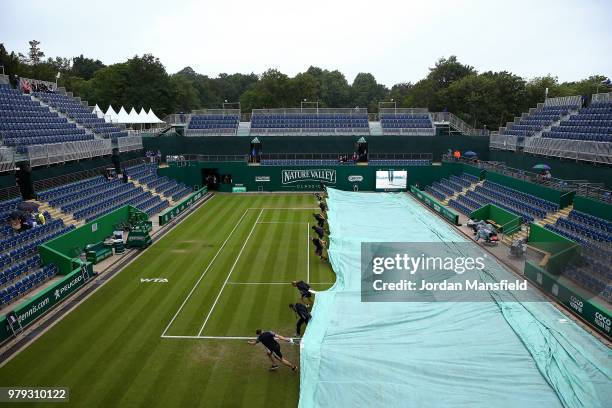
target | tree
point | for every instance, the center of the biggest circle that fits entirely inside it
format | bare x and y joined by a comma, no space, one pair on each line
185,94
85,67
366,92
447,71
35,54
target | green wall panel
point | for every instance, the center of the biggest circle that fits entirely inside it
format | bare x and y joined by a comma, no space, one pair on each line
251,177
220,145
561,168
593,207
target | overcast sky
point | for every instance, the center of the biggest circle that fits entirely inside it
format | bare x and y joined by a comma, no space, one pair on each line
394,40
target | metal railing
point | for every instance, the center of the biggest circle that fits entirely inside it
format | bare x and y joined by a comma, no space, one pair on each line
564,101
458,123
402,111
7,193
304,156
579,150
315,111
596,192
226,112
215,158
129,143
602,97
40,155
308,132
400,156
526,175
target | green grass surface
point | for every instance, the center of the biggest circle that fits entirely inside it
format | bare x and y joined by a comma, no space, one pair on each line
228,268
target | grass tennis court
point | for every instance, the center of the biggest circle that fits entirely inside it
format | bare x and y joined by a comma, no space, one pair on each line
179,343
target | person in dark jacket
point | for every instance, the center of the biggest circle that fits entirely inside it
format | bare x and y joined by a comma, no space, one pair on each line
269,341
303,314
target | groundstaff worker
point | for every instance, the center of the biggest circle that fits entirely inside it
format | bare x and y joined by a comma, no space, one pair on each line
319,244
268,339
305,291
320,231
303,314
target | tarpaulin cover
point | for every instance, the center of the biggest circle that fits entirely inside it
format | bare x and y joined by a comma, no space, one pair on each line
437,354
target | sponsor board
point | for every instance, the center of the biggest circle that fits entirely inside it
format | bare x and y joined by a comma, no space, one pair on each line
262,178
47,298
355,178
170,213
304,175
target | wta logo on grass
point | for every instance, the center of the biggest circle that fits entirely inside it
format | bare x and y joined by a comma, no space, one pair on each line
294,176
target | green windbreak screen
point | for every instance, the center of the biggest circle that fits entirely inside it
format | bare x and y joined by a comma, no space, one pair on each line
436,354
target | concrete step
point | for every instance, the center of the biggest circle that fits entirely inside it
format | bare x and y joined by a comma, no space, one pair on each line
152,191
56,213
472,187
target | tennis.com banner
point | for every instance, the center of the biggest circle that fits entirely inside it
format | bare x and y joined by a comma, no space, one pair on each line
44,301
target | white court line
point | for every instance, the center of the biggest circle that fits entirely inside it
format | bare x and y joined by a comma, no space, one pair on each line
209,337
204,273
279,222
308,252
230,272
276,283
284,208
259,283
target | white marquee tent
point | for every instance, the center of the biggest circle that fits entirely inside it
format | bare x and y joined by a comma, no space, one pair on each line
142,117
110,115
98,112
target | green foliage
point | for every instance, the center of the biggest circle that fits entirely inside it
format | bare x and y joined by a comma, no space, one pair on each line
482,99
85,67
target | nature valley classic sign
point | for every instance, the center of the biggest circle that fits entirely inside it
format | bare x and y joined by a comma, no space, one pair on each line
307,178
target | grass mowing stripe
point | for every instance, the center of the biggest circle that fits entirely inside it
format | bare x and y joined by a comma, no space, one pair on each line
229,274
204,273
191,317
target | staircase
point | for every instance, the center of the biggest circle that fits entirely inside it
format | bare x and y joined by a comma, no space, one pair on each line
376,129
472,187
521,234
150,190
244,129
550,218
57,213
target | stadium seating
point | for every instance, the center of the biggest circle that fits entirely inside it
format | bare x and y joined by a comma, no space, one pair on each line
400,162
538,119
20,266
24,122
81,114
147,174
31,280
410,123
592,270
593,123
355,122
214,123
91,198
527,206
